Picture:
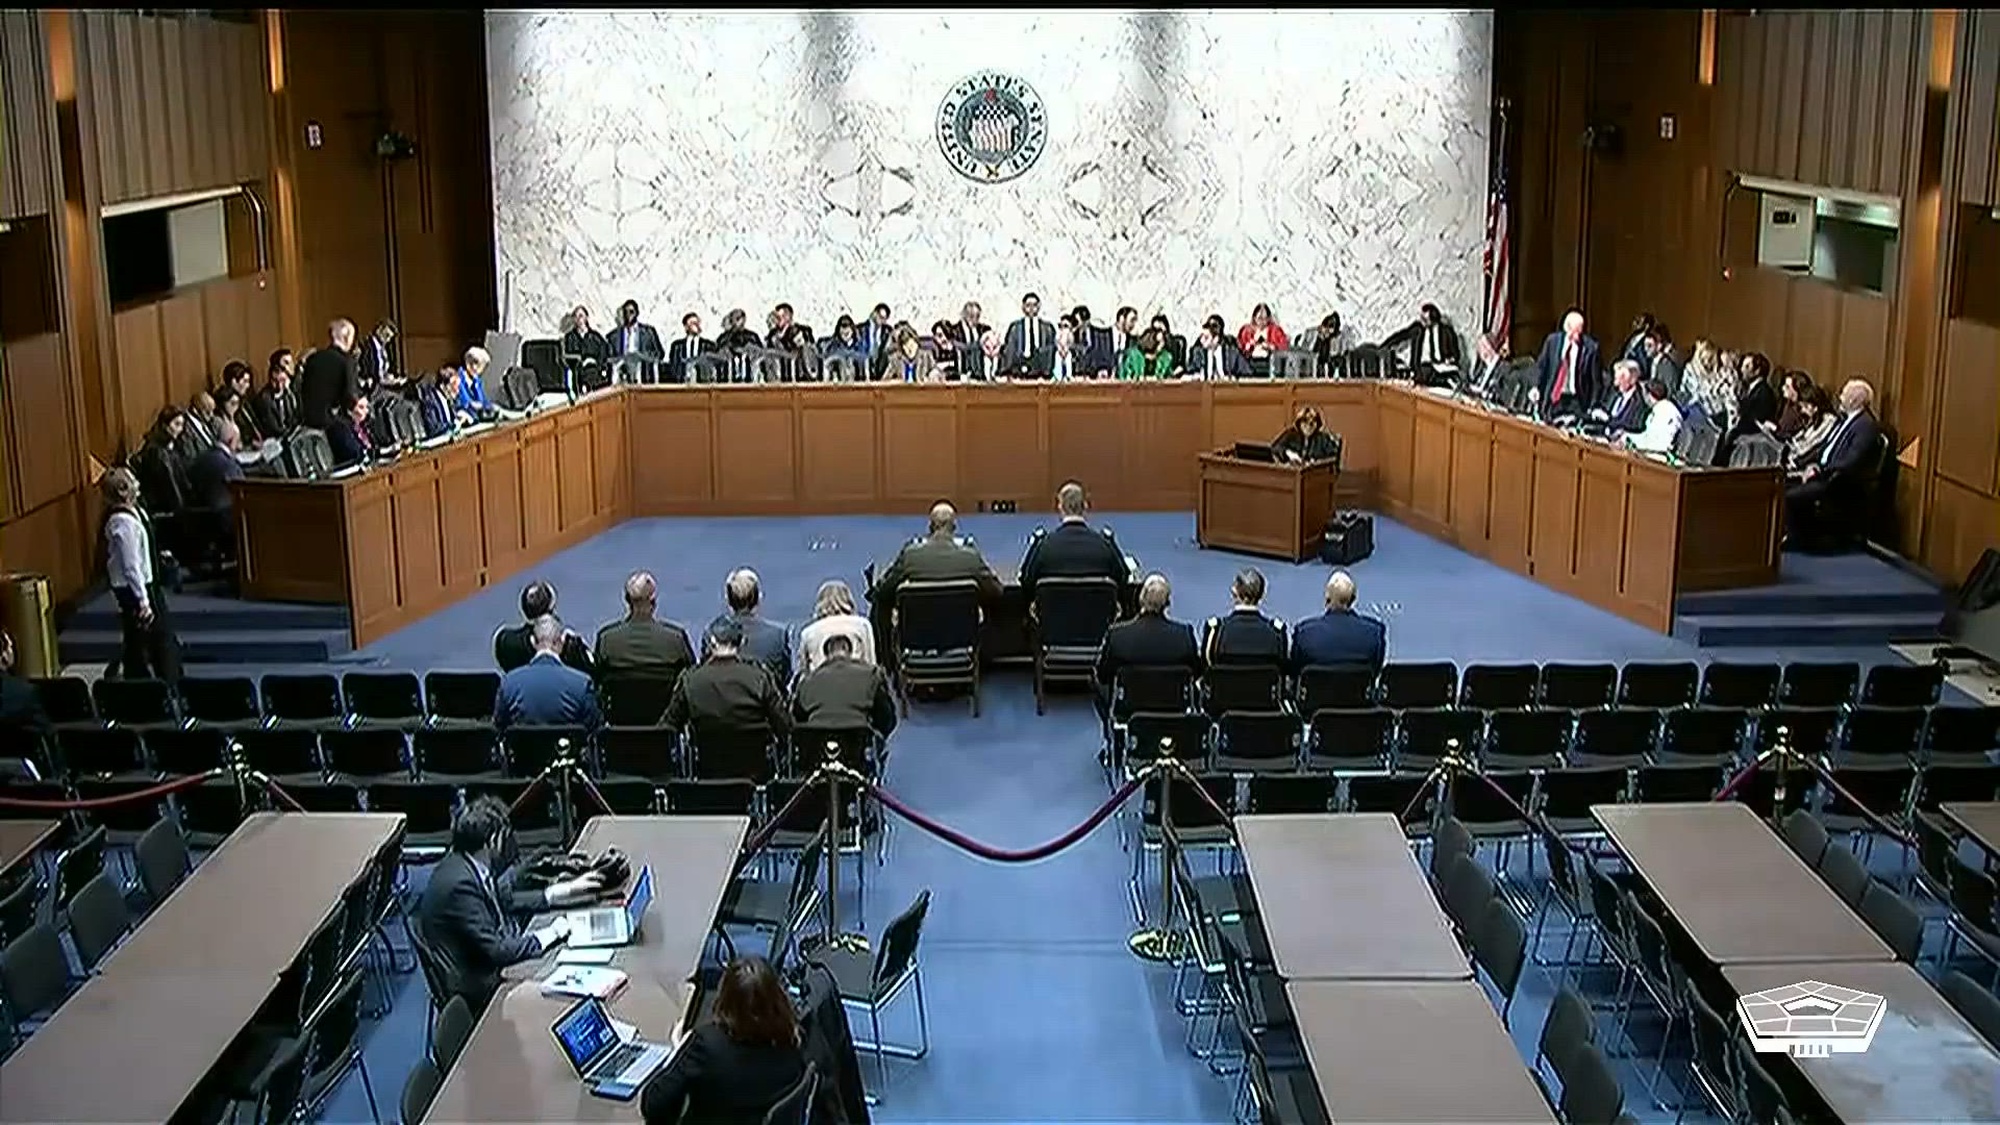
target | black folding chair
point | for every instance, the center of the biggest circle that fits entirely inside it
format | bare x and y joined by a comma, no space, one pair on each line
1242,687
1344,686
1664,684
1490,687
1068,620
937,638
1430,684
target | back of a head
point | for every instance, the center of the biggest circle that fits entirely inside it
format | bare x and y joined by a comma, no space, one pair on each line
740,589
725,635
538,599
1155,593
479,824
1248,586
752,1008
838,646
1070,500
1656,389
548,634
944,519
640,590
834,598
1340,591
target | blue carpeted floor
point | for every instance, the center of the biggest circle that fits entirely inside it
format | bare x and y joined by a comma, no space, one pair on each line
1038,1013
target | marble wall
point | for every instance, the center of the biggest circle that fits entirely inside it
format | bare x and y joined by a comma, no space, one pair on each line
1195,162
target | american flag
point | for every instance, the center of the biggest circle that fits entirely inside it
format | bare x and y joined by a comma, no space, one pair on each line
1499,258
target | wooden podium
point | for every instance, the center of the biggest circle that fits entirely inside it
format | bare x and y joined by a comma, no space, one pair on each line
1263,507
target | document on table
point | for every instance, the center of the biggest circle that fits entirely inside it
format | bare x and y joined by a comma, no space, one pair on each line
585,956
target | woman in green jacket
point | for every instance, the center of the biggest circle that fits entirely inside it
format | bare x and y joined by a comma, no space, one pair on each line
1147,358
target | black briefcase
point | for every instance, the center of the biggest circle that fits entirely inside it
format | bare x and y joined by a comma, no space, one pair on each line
1350,537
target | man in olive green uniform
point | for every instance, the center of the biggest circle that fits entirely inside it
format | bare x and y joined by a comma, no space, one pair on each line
940,556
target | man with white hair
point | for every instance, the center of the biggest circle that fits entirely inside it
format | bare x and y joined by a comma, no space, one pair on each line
765,642
1339,637
1567,369
1147,639
330,377
472,398
1625,411
1832,486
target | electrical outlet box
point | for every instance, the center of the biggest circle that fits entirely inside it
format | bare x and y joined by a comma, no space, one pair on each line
1003,506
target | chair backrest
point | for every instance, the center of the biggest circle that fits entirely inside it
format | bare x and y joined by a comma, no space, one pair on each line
308,454
454,1027
1756,450
1844,873
461,695
1152,688
1570,1027
1467,891
420,1090
1806,835
1335,685
98,917
1243,687
518,388
33,972
1293,364
899,945
1894,920
1975,1003
938,616
545,359
709,368
772,367
18,909
383,695
795,1107
1591,1093
161,856
839,367
220,699
1500,944
1161,734
1075,612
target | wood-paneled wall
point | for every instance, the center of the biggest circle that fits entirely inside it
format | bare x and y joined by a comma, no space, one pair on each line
24,110
1860,100
179,104
172,348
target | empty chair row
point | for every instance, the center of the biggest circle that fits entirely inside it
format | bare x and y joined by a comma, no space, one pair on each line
316,698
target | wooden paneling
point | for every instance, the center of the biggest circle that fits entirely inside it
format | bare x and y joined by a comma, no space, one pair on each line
40,439
172,348
1979,64
179,102
1967,453
44,541
26,149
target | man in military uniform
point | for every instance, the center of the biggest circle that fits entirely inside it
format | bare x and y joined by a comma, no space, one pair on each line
940,556
1073,549
1244,635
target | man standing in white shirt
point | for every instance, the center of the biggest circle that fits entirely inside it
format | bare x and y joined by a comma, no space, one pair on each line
1663,421
150,649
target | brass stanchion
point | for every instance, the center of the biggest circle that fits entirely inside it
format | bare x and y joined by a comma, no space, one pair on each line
1160,942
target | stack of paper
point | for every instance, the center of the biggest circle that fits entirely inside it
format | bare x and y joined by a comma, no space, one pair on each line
583,981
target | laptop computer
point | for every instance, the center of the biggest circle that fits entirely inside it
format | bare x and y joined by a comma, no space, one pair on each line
1253,451
610,1058
604,926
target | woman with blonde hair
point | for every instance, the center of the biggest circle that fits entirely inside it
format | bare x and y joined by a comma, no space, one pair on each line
834,615
1709,385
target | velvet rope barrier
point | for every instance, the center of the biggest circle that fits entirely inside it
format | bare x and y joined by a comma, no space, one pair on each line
148,793
522,799
278,793
963,842
776,820
1867,813
1730,787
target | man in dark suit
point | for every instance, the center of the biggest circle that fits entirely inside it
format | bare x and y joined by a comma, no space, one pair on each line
1566,372
876,333
1090,344
1825,491
727,695
845,692
970,328
1339,636
1660,362
276,403
1432,344
690,347
1635,343
787,334
437,403
24,725
330,378
1624,412
1244,635
514,645
347,434
1026,337
377,363
1213,355
631,338
1493,376
940,556
766,642
641,658
545,692
1074,549
469,916
1149,639
211,472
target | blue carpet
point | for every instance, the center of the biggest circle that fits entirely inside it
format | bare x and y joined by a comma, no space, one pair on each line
1038,1012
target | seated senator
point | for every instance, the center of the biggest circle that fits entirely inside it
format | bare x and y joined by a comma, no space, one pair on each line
1147,358
545,692
1306,440
1827,493
347,434
469,915
437,402
472,398
1624,411
513,645
731,1068
1340,636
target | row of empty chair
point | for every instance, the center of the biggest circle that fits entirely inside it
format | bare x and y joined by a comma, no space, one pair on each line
317,699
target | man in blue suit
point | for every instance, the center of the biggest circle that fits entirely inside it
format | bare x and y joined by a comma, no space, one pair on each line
1828,494
545,692
765,641
1566,370
1339,636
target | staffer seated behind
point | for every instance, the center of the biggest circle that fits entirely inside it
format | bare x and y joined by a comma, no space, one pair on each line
347,435
1339,636
726,694
1625,411
545,692
1074,549
1306,440
469,914
732,1068
843,691
1663,421
1149,639
640,658
834,615
1244,635
513,645
767,642
1213,355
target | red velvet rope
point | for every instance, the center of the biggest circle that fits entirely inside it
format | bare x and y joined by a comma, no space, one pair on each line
762,836
963,842
162,789
1743,775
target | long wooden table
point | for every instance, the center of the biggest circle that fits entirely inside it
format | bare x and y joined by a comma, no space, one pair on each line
1741,895
1924,1064
20,840
137,1039
511,1069
1341,898
1620,531
1412,1051
1979,819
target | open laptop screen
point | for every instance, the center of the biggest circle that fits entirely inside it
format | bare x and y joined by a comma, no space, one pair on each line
640,898
585,1035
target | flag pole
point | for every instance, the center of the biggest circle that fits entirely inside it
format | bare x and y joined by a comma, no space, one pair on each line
1495,169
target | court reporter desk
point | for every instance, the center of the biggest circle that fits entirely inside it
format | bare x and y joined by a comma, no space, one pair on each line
1264,507
1621,531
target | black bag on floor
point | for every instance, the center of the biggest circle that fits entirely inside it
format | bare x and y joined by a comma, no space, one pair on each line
1350,537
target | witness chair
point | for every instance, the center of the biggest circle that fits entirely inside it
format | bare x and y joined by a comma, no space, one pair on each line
937,638
1068,620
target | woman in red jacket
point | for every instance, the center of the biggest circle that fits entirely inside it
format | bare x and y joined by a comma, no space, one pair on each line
1261,336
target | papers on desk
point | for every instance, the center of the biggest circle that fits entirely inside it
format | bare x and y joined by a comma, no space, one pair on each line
600,956
583,981
1443,392
349,471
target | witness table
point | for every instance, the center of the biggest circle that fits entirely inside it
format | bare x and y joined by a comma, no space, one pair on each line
1341,897
511,1069
1412,1051
1742,896
1925,1063
21,839
137,1039
1979,819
